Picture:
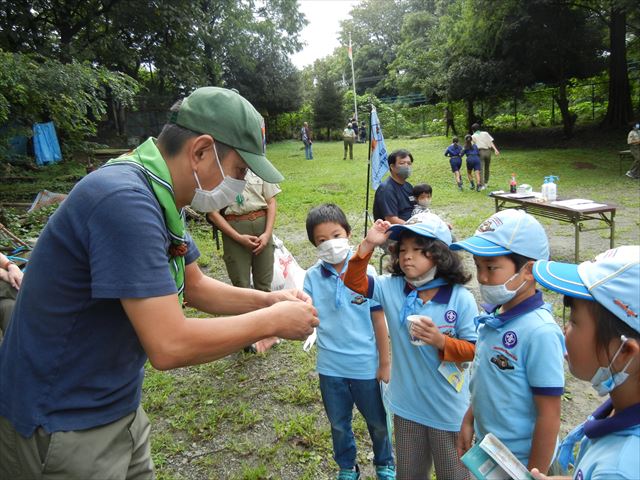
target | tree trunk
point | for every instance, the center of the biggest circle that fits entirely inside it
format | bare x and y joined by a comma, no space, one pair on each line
619,111
568,118
470,115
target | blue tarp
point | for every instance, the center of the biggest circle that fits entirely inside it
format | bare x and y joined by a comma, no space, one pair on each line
45,144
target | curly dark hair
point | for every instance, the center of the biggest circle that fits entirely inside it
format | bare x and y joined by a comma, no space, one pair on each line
448,262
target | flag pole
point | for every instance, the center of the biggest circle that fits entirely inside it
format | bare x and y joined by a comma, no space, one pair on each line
366,208
353,80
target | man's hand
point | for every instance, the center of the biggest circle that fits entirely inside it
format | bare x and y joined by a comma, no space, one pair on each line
428,332
289,295
294,320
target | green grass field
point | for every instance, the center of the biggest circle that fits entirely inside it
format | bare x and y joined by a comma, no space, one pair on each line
260,416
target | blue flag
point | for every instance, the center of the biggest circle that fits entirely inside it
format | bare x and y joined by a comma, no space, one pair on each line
379,163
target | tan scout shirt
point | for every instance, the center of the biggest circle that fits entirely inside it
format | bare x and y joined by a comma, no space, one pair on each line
254,196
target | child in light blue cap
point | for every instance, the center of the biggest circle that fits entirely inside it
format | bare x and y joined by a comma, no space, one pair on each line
603,346
518,370
428,394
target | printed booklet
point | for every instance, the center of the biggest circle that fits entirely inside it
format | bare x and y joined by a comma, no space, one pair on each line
491,460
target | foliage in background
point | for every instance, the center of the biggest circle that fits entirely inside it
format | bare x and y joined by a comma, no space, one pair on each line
73,95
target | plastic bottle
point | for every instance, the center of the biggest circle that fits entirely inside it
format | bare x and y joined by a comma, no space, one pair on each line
513,185
549,188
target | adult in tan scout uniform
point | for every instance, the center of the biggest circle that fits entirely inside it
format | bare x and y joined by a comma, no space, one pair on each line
105,289
485,144
247,228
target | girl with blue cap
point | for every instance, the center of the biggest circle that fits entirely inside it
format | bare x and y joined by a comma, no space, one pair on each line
428,394
603,346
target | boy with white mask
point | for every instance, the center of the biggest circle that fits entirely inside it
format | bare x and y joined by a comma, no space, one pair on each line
350,361
518,371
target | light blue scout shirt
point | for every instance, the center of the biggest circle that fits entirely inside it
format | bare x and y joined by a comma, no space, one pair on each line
418,392
611,448
346,340
519,354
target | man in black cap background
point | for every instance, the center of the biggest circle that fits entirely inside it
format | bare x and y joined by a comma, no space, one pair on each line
106,284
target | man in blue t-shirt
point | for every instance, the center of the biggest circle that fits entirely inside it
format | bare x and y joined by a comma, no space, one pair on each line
105,290
394,200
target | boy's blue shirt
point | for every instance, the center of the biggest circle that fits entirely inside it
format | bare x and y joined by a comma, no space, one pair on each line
346,339
418,392
519,354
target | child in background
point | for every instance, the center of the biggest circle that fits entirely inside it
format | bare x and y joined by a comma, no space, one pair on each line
454,152
518,372
428,394
603,346
473,163
349,364
422,194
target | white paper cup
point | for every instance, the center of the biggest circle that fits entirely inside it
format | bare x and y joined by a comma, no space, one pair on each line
410,320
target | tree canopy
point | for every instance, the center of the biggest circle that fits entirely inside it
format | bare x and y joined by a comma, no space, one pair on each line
472,50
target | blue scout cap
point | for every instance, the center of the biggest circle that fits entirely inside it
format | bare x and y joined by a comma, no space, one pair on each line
612,279
424,224
505,232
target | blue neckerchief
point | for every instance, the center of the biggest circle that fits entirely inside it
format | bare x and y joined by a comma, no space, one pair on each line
598,425
412,302
496,320
339,278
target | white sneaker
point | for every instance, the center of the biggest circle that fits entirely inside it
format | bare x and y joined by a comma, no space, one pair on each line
630,175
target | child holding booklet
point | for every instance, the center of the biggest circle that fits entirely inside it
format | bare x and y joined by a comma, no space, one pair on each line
518,370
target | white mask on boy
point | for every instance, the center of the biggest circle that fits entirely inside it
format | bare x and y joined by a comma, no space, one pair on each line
499,294
333,251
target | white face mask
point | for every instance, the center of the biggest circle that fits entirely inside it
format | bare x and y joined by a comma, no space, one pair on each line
424,203
333,251
223,195
499,294
604,381
423,279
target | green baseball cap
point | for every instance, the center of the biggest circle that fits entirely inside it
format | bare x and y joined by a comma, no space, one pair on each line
229,118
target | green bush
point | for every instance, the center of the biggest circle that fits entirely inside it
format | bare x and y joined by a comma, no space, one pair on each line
73,95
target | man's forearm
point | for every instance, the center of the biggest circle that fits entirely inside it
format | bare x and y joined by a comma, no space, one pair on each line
215,297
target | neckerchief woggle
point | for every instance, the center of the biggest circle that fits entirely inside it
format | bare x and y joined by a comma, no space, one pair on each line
489,319
412,302
147,158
